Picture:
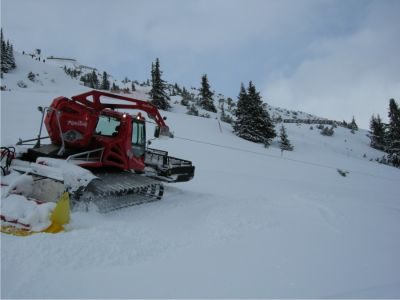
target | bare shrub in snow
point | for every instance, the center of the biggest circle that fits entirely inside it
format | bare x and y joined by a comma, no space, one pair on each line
327,131
22,84
192,110
31,76
205,115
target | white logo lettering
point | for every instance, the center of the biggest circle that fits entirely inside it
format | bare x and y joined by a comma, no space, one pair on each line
77,123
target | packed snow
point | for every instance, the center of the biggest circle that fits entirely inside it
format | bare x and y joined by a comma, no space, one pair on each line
27,212
17,184
253,223
74,177
17,207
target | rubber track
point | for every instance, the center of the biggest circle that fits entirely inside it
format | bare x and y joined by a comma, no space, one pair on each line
114,191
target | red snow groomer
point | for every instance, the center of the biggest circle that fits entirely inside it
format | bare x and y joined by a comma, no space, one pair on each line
90,131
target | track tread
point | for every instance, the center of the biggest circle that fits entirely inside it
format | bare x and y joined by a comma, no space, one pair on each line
112,191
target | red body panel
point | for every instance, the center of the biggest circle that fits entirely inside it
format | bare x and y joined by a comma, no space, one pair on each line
73,116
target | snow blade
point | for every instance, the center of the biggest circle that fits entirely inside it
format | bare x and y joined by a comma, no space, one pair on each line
59,217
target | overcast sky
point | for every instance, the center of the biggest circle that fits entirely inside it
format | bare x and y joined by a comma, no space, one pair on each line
335,59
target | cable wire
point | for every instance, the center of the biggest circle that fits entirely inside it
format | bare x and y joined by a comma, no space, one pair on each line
285,158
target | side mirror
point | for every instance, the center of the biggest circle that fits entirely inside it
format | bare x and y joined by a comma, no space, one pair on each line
162,131
40,108
157,132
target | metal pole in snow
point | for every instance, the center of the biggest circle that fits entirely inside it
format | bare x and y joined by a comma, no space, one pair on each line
220,127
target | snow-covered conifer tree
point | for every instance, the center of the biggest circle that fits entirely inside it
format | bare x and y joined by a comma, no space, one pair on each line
393,145
158,93
11,56
377,133
206,96
284,143
105,83
253,122
353,125
7,55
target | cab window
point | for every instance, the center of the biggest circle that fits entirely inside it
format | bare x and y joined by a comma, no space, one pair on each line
138,138
107,126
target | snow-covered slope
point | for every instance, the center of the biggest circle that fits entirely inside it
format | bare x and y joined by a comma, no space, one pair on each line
48,77
282,113
251,224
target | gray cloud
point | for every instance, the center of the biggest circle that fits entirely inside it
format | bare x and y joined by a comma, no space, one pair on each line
350,75
322,56
194,27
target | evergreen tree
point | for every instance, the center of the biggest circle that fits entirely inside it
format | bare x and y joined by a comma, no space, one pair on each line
4,53
89,79
186,96
152,73
253,122
284,143
377,133
7,58
105,83
177,89
353,125
240,125
158,93
206,96
225,117
230,103
7,55
393,145
75,73
94,81
221,102
11,57
264,127
84,79
133,87
115,88
223,114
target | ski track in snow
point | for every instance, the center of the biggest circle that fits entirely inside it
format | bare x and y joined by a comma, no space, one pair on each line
247,225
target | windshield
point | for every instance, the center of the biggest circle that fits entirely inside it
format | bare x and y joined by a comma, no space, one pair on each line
107,126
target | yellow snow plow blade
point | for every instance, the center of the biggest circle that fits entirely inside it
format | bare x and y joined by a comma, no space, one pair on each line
59,217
